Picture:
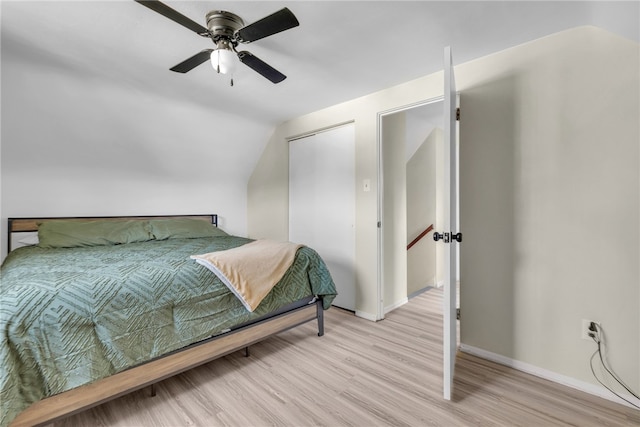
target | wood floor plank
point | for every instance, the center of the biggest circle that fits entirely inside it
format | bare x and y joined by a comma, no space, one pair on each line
360,373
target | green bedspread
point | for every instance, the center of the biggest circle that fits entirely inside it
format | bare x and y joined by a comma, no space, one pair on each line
71,316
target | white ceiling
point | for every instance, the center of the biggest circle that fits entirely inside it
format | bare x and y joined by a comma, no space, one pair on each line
341,50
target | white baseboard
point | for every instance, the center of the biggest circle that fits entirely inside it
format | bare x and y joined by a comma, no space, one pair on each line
547,375
397,304
367,316
373,317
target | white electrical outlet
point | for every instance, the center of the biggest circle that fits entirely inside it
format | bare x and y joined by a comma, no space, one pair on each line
585,329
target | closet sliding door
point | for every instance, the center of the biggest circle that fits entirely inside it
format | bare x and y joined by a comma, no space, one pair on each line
322,203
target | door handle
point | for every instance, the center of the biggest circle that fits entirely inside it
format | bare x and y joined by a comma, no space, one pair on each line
441,236
447,237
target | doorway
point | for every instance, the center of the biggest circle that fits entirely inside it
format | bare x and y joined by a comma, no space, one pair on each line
392,200
410,144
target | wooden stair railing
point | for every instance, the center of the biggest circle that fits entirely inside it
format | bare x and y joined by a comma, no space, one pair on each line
417,239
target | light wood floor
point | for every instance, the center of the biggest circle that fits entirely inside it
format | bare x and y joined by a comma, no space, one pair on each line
359,374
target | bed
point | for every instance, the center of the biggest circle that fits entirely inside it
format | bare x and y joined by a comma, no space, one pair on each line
86,317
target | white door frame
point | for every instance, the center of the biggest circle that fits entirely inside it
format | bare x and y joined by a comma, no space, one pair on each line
381,223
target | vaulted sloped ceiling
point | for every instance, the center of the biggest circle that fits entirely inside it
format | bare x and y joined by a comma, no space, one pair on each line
81,76
342,49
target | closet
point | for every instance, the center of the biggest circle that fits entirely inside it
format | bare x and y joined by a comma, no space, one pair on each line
322,203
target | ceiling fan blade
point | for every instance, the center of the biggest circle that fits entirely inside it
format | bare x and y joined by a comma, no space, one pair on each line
279,21
193,62
261,67
175,16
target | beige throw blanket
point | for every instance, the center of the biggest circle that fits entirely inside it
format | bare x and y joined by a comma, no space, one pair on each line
250,271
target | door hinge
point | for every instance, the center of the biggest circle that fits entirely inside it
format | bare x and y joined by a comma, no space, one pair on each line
379,224
458,114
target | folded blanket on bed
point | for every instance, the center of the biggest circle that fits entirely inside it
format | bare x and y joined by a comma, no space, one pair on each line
250,271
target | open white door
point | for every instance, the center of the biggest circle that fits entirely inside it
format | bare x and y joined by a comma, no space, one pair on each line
449,236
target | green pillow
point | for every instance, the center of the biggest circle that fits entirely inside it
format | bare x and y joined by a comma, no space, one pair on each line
183,228
69,234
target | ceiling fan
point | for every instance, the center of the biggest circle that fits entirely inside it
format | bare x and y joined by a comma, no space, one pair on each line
226,30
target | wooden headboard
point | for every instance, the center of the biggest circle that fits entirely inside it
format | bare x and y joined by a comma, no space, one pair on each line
30,225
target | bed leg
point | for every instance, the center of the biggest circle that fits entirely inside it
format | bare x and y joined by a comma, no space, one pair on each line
153,390
320,316
246,352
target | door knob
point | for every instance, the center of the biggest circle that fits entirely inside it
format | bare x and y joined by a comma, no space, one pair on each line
447,237
441,236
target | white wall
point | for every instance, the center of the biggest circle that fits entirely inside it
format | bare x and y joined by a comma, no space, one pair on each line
77,143
549,197
550,201
394,165
421,212
268,193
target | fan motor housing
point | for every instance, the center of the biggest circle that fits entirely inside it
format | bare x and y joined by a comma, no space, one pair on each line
223,23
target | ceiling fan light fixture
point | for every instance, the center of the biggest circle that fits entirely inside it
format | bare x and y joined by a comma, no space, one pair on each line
224,60
226,30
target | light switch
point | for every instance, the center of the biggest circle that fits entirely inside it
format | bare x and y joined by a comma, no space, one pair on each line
366,185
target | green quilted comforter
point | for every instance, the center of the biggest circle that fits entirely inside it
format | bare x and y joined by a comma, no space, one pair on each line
71,316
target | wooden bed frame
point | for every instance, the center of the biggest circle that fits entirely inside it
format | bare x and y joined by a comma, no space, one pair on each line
79,399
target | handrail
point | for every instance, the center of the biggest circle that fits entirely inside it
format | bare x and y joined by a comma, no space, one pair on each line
424,233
